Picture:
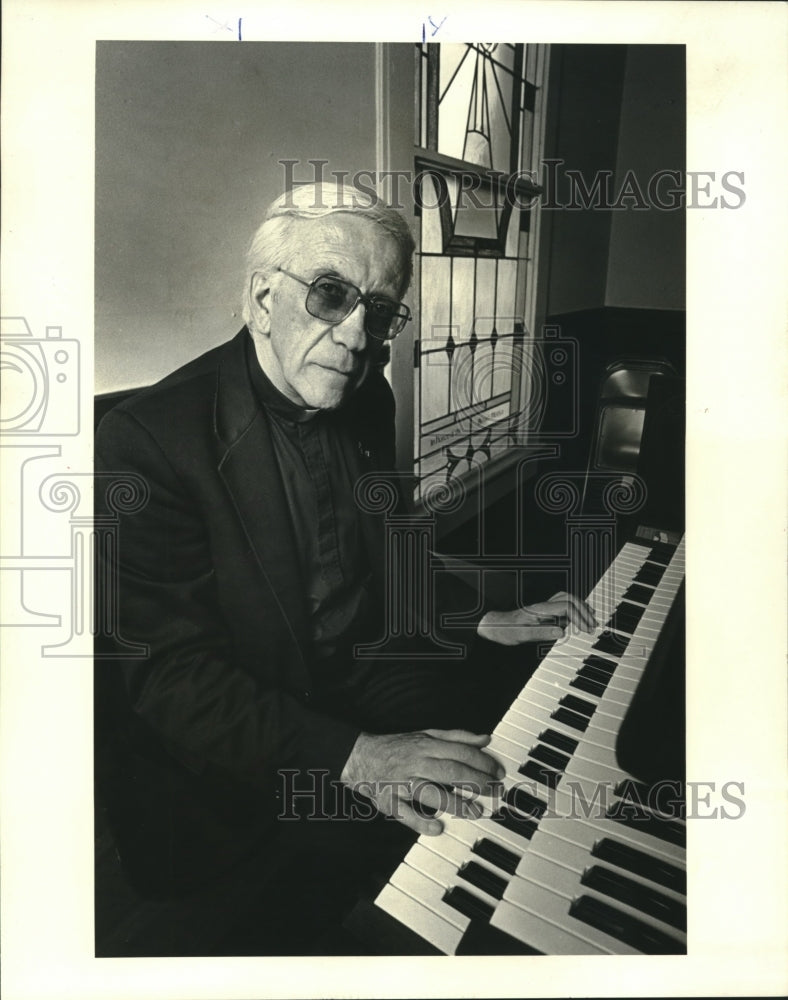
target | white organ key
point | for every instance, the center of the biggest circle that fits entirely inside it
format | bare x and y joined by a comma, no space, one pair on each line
587,770
541,921
470,832
435,866
429,894
596,754
505,752
429,925
520,738
543,719
538,933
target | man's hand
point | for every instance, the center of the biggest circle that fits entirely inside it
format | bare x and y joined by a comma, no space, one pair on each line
400,771
537,622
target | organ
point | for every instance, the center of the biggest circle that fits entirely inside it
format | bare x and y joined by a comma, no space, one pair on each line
579,855
585,851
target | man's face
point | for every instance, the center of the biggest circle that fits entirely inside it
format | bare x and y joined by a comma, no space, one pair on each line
312,362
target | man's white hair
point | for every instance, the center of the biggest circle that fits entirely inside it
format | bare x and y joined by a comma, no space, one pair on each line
274,244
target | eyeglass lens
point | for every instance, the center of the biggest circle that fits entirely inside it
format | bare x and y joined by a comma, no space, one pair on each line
332,299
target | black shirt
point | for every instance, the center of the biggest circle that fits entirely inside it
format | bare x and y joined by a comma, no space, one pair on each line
314,460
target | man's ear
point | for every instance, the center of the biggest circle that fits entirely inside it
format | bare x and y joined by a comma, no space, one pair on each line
260,299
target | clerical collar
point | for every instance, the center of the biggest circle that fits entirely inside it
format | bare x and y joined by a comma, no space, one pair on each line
267,393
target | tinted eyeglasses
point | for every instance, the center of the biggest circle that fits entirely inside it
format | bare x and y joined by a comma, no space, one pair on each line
333,299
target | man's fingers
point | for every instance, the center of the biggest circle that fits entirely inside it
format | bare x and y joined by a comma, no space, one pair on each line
539,633
459,736
452,762
577,611
568,608
453,772
447,800
421,824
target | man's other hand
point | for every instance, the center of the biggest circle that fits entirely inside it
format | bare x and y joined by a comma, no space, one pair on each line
541,622
403,771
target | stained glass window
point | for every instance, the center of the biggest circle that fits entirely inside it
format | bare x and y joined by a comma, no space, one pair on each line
479,142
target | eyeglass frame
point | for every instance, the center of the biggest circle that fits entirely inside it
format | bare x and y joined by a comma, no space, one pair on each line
365,300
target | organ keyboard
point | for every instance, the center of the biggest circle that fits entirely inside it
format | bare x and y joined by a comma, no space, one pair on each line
577,856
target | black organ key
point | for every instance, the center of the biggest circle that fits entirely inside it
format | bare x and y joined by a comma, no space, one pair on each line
494,885
525,803
630,610
497,855
538,772
590,687
640,897
624,619
549,756
515,823
646,865
571,719
565,743
665,797
611,642
640,818
638,593
580,705
662,552
468,904
594,674
600,663
649,573
630,930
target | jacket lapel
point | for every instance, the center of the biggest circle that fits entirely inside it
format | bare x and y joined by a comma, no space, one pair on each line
250,472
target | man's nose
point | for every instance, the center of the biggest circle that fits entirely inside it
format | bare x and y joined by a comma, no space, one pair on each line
350,332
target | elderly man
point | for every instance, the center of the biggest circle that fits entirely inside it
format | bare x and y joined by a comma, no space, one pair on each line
251,574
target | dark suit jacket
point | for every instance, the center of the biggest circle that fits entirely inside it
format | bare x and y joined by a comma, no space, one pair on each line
209,581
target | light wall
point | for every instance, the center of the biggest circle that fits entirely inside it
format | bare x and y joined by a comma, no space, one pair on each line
188,142
647,258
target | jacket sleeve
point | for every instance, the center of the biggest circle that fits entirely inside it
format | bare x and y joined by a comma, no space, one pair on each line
210,710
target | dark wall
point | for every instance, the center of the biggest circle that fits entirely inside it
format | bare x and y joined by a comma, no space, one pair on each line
647,258
618,109
586,85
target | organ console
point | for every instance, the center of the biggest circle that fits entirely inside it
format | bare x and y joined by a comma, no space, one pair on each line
580,854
